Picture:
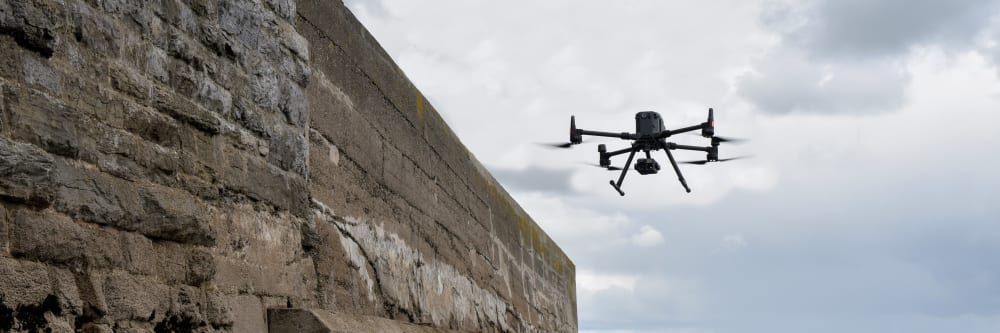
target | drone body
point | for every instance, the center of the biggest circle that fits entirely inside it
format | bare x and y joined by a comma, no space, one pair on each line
650,135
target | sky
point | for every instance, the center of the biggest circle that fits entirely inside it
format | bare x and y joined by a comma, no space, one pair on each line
871,202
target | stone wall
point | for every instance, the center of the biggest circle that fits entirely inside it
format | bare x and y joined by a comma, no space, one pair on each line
185,165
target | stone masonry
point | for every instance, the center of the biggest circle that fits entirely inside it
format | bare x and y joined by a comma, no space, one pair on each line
186,165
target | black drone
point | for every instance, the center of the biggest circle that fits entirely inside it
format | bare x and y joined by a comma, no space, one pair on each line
650,135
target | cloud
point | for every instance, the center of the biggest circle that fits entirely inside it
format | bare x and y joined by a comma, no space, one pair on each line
647,237
787,81
593,282
848,57
864,29
733,241
535,179
575,225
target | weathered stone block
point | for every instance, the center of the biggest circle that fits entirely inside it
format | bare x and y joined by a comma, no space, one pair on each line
165,260
294,279
208,9
332,113
127,156
332,266
190,52
201,267
51,237
218,312
288,149
155,211
174,215
134,298
33,23
39,73
156,64
248,313
95,31
260,180
224,45
295,105
265,86
187,311
284,8
180,15
35,118
66,291
33,315
26,173
186,111
214,97
244,21
93,196
90,286
85,94
293,40
153,126
185,79
23,282
130,82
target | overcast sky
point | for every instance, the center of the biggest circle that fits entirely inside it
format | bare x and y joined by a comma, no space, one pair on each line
872,203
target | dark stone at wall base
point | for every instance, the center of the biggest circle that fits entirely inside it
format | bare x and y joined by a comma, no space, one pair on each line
29,317
6,316
181,323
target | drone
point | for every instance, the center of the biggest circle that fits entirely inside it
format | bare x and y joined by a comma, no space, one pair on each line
650,135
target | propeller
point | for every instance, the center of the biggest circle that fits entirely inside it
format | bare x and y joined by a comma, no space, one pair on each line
564,145
567,145
721,139
703,162
728,139
609,168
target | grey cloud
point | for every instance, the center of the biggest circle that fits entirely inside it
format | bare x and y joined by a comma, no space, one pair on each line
534,179
787,82
863,28
889,254
844,56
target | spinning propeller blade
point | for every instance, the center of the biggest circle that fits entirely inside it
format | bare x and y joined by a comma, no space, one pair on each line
720,139
728,139
609,168
703,162
564,145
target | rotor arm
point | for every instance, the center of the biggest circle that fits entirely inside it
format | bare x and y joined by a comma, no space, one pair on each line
669,133
674,146
622,135
618,152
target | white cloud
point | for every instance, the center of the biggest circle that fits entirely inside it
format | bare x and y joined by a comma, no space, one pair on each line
647,237
590,281
733,241
788,81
